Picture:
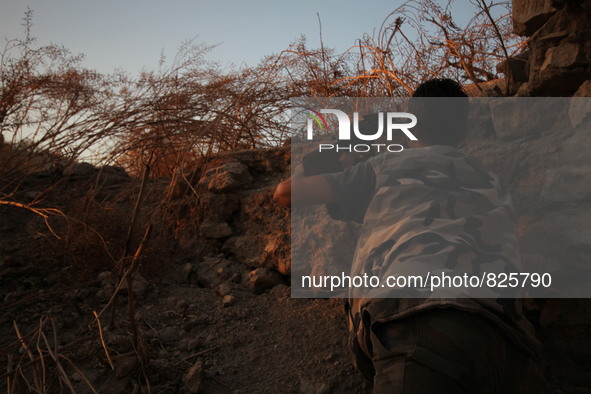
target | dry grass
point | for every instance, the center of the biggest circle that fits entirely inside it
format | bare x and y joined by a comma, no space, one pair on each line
41,367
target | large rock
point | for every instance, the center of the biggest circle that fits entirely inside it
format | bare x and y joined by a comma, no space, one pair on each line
559,81
217,207
567,183
530,15
567,54
560,53
277,252
584,90
319,244
140,285
516,118
262,279
575,150
247,249
215,230
570,226
229,177
213,270
480,126
80,169
580,108
515,69
494,88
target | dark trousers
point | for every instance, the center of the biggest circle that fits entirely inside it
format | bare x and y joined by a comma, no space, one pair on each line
444,350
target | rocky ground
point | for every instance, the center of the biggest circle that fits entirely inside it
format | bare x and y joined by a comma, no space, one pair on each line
211,309
191,339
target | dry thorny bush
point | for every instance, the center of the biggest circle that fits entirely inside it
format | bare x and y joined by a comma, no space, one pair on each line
190,107
54,113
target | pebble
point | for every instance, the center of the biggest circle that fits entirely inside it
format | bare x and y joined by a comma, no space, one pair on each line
126,367
104,277
193,344
262,279
228,300
224,289
194,378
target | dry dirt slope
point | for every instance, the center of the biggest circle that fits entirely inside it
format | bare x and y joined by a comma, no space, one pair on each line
211,307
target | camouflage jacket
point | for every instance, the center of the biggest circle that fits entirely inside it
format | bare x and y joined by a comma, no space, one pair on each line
427,211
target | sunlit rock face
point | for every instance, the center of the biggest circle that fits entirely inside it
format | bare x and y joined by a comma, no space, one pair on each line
559,48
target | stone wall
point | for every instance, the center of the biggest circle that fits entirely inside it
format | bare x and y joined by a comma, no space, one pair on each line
558,54
550,174
230,220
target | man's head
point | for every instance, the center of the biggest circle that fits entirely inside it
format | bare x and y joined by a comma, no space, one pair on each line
441,107
439,87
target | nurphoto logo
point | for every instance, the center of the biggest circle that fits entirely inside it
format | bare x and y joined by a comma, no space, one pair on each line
392,122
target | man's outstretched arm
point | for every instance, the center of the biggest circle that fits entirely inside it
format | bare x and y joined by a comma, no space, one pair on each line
304,190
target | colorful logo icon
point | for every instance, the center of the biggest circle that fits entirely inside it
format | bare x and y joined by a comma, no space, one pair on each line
318,118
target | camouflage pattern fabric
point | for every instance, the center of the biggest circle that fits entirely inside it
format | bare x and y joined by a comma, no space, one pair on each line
445,351
428,210
434,210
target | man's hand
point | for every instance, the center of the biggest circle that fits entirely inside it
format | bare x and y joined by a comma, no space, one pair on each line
282,195
304,190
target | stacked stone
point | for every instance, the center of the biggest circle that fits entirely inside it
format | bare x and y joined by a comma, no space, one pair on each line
557,60
549,173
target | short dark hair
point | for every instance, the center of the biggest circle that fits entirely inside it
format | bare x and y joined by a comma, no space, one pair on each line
440,87
440,122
